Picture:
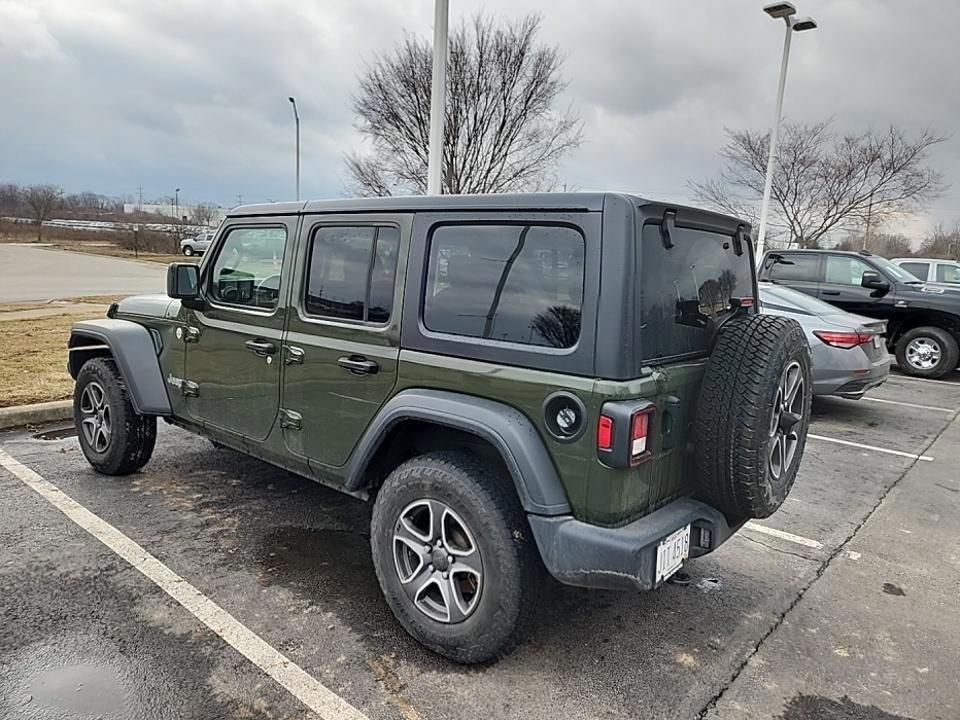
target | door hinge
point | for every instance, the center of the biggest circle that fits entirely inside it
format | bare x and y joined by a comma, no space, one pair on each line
190,389
294,355
191,334
290,419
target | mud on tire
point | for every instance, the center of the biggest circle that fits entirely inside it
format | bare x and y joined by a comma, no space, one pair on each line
484,513
753,416
114,438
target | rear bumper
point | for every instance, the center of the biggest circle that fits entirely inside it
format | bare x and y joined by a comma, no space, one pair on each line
847,373
623,558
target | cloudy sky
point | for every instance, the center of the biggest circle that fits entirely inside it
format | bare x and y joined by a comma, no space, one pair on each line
106,95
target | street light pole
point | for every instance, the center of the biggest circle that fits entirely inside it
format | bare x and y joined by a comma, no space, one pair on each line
296,118
176,200
438,91
786,11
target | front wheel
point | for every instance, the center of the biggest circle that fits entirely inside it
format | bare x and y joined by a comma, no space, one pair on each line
188,251
113,437
455,556
927,352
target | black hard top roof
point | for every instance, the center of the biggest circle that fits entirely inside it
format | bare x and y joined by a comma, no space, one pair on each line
571,201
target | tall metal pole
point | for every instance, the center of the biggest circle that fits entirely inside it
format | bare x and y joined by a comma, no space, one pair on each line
438,93
176,200
774,137
296,117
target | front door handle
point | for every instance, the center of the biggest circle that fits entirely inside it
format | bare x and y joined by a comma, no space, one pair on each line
260,348
358,365
830,292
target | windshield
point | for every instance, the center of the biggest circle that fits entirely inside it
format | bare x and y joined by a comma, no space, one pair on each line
894,271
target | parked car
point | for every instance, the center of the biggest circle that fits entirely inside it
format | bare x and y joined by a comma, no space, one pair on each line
931,269
198,244
570,383
849,351
923,320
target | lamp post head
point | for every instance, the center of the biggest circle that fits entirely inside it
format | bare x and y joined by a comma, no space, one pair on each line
780,10
804,23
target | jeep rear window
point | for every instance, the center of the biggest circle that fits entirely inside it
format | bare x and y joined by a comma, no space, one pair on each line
686,289
512,283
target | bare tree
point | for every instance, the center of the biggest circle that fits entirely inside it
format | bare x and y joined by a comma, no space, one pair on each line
889,245
824,182
42,200
11,198
501,131
202,213
943,242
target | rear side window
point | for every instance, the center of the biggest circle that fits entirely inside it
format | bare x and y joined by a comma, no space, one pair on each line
796,267
686,289
947,273
512,283
351,273
919,270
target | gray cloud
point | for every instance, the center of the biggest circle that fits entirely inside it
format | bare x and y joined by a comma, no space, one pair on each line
110,94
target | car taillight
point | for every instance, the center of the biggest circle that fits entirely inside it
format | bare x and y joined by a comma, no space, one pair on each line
639,427
605,433
845,340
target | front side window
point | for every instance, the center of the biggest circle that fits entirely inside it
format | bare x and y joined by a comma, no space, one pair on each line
845,270
919,270
795,267
351,272
948,273
248,267
513,283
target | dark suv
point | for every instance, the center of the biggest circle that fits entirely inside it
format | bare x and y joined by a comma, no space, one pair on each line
576,384
923,319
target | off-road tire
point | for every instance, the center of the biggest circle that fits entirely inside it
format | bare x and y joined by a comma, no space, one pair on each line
513,573
949,352
188,251
735,411
132,436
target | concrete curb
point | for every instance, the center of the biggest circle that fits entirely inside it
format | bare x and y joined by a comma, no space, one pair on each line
35,414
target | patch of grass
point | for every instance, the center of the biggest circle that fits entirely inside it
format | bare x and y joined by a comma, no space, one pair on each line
57,302
33,359
118,252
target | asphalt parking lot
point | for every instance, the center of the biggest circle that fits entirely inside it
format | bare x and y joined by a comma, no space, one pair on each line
844,604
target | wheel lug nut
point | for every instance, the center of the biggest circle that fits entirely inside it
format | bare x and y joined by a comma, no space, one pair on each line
446,575
427,548
449,558
432,569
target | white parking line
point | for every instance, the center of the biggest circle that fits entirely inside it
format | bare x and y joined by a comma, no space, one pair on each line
789,537
303,686
874,448
941,383
933,408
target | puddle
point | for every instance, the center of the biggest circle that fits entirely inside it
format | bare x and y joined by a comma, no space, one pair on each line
56,434
82,689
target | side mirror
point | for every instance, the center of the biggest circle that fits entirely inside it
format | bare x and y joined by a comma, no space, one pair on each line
874,281
183,281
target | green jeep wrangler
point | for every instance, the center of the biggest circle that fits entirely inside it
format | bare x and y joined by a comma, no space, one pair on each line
572,384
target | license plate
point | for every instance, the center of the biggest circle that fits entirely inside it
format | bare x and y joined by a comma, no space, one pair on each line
671,552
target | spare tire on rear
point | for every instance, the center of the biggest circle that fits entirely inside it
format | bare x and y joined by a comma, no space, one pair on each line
753,415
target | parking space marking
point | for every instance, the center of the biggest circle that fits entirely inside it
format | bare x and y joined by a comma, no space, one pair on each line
303,686
941,383
874,448
789,537
934,408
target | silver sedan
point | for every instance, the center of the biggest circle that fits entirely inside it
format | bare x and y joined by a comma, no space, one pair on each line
849,352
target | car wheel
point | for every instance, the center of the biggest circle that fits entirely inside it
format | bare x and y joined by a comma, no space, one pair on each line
927,352
113,437
753,416
455,557
187,250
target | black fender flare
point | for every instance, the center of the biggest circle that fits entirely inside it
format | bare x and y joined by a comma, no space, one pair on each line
133,349
508,430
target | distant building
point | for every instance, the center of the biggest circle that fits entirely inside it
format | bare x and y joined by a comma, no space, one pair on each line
169,210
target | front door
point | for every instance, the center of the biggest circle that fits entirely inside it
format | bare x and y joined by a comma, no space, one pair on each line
232,378
343,332
841,287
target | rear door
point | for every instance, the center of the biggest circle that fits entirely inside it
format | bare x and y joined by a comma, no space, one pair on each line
343,332
841,286
800,271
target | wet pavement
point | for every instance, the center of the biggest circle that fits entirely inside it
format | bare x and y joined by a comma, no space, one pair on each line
86,635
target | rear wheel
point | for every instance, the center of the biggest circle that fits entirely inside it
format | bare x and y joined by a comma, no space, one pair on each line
113,437
187,250
928,352
753,415
455,556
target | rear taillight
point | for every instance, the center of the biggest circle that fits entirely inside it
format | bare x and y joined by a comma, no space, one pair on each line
845,340
624,433
639,425
605,433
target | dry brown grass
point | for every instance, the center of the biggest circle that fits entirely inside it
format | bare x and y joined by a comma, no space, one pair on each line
118,252
33,359
57,303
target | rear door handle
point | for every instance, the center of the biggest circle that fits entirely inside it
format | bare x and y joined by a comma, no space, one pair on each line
260,348
358,365
830,292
